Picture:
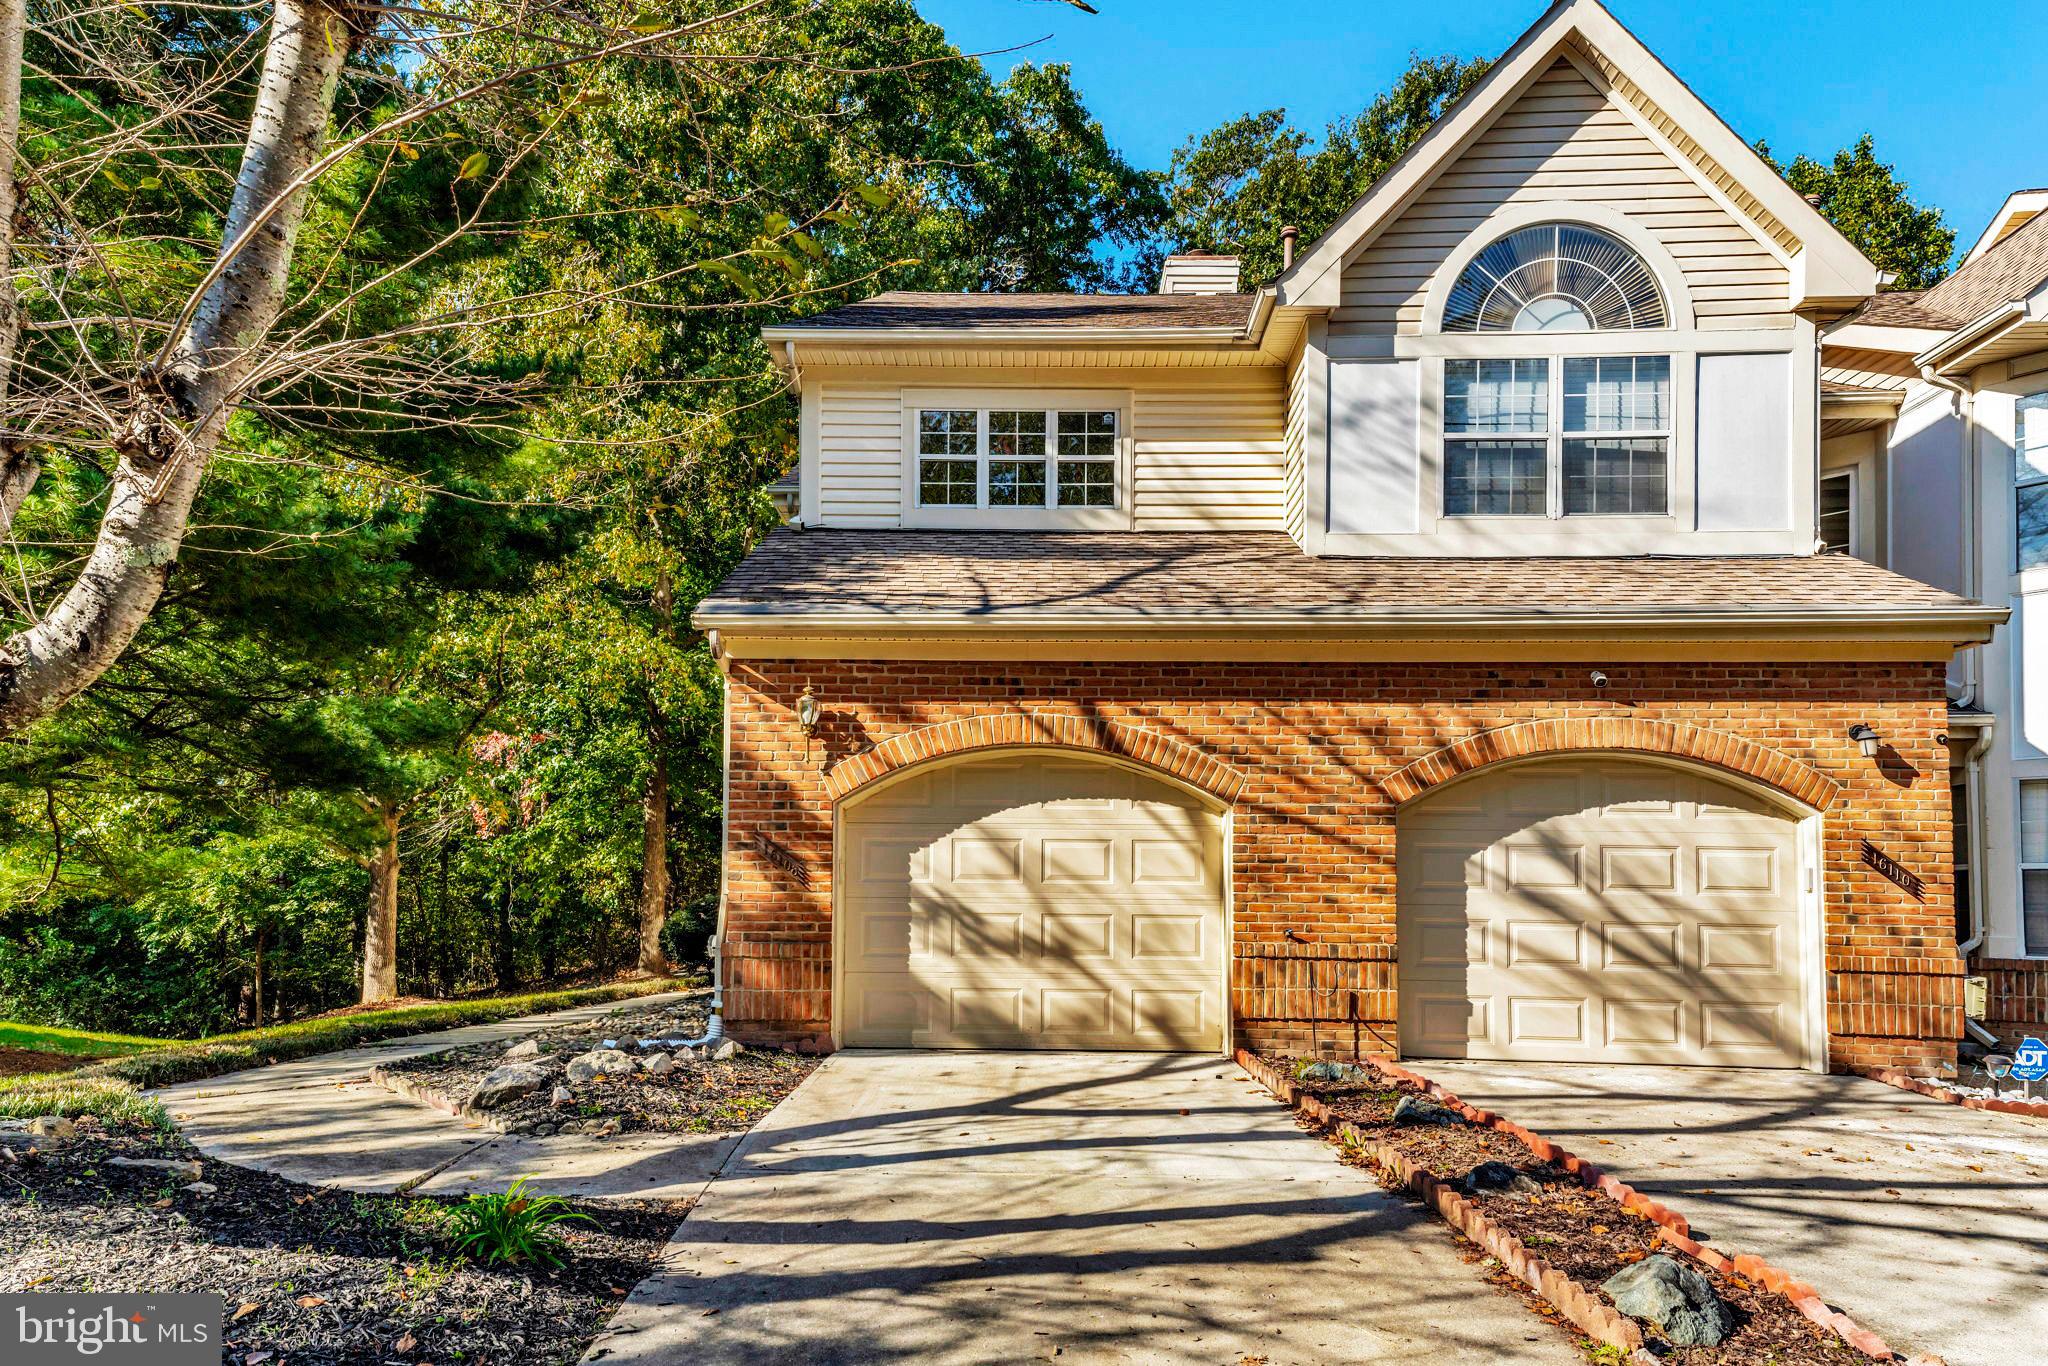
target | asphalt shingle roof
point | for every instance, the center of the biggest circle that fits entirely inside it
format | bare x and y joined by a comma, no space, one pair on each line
994,574
908,308
2011,270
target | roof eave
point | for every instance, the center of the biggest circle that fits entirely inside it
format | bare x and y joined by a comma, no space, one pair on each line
999,336
1959,625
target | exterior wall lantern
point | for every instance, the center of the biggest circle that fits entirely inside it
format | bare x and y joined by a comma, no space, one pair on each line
1867,739
807,712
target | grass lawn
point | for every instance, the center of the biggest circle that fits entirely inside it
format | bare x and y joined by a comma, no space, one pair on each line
81,1042
112,1088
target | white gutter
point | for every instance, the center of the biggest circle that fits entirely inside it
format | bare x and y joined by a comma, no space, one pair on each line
1973,620
1970,336
724,827
998,335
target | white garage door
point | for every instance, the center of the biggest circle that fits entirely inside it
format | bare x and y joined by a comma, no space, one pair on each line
1031,901
1602,912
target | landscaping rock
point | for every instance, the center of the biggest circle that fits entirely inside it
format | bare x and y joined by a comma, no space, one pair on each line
191,1170
200,1187
727,1048
525,1048
1673,1296
507,1083
660,1065
1422,1110
1331,1071
55,1128
562,1095
1498,1178
600,1062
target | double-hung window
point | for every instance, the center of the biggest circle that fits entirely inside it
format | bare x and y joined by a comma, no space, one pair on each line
1532,429
2034,867
2030,481
1004,458
1571,436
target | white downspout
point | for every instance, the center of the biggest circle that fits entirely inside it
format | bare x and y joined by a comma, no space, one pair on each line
1973,768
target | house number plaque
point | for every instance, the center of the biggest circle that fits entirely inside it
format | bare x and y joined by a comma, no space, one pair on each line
1894,870
783,861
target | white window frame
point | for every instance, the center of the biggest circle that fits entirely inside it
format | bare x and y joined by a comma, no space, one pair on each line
1854,474
2019,423
2027,946
1051,402
1555,358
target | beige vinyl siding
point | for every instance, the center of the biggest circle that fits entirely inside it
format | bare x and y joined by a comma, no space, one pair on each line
1564,141
1207,446
860,454
1294,448
1209,453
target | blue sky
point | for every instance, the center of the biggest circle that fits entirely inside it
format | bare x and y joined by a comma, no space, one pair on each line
1949,90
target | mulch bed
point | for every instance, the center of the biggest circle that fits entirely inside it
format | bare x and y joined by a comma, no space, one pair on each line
22,1062
333,1277
696,1098
1579,1231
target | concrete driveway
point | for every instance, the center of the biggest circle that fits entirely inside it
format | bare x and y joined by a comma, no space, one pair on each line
1926,1222
984,1207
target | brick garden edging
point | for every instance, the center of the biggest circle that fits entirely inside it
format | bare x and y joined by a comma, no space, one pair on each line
1919,1086
1572,1299
439,1100
1579,1304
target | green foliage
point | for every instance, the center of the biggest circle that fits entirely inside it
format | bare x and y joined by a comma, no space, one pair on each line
1874,209
80,1042
512,1226
303,1038
1233,188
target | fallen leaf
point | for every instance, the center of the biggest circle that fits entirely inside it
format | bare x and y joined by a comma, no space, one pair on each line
310,1301
405,1344
1600,1228
160,1204
708,1312
1975,1168
244,1311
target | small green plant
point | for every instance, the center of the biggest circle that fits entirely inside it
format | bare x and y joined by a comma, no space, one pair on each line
511,1226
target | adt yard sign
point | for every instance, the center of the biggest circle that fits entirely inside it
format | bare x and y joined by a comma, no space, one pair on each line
2030,1060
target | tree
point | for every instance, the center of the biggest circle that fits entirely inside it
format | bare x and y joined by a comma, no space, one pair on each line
149,341
1233,188
1865,198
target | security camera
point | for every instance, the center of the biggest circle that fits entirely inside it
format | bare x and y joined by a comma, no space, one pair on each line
1599,679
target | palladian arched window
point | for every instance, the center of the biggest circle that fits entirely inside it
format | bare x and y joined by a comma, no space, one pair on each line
1535,422
1555,277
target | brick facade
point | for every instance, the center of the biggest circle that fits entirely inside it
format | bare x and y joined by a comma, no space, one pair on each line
1313,760
2015,996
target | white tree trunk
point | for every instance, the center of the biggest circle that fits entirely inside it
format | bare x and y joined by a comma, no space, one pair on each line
181,410
18,463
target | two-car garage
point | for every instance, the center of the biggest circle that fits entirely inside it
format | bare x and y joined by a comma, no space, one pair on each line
1597,909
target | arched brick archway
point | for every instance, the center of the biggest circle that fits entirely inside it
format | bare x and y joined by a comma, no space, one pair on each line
1794,778
1172,757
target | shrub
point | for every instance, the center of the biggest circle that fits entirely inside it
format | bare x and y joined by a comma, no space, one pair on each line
512,1226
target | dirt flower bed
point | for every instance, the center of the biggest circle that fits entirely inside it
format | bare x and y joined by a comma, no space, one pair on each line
1579,1231
309,1275
700,1095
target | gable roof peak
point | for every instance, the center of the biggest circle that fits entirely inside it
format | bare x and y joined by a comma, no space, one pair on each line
1825,267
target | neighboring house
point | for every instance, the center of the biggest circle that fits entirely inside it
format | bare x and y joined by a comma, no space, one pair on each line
1427,650
1934,461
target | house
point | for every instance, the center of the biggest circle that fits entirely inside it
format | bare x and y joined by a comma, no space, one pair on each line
1934,461
1427,650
